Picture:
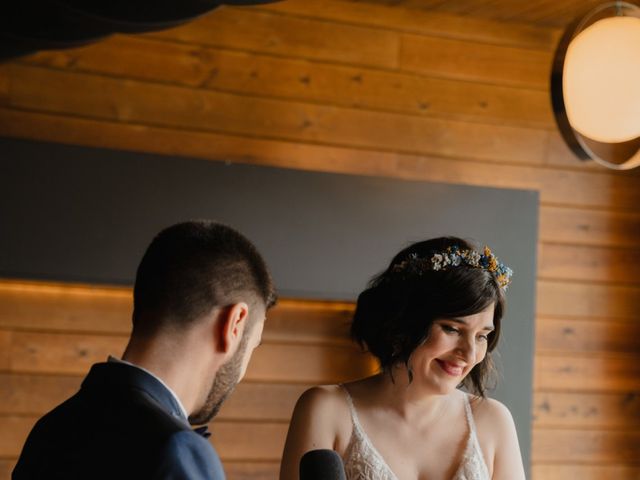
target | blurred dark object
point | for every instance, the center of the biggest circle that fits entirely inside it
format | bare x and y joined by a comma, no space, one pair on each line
30,25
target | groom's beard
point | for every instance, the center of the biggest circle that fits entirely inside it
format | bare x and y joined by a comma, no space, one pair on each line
225,381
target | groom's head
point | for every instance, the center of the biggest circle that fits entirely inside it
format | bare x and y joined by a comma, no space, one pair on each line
200,271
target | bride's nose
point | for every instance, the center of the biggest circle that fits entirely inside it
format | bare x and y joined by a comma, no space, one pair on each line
466,348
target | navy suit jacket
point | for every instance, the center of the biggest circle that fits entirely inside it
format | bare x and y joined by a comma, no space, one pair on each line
122,424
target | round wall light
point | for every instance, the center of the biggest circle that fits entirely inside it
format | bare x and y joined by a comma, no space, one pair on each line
595,86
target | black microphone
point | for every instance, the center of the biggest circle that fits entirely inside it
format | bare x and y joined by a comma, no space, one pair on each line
321,465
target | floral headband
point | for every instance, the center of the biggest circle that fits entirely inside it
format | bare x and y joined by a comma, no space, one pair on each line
454,257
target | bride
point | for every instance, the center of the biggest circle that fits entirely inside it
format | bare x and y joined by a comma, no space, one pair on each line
432,319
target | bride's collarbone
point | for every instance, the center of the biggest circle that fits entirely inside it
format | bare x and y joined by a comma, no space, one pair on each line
413,451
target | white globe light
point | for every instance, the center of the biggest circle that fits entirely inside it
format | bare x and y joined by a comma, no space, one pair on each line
601,80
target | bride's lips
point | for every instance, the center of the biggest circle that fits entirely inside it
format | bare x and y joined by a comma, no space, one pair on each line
449,368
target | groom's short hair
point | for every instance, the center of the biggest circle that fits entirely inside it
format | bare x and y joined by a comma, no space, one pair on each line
190,268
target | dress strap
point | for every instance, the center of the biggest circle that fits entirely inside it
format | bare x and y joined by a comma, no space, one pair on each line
469,415
352,409
473,466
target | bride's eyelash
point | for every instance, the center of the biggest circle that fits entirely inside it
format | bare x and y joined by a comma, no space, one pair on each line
449,329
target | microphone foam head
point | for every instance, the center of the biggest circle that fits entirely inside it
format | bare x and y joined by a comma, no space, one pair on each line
321,465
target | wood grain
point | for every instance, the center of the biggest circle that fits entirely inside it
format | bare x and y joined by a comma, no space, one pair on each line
262,31
423,21
310,322
169,106
309,364
274,77
75,353
588,188
587,263
14,433
587,410
65,307
463,60
557,187
6,467
272,402
584,472
574,226
248,440
5,343
62,353
584,300
588,373
559,155
34,395
569,335
588,446
537,13
91,309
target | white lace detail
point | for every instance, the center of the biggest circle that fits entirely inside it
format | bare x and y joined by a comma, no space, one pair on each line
363,462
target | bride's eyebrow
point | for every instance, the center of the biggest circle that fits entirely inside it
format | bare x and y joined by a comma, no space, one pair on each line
488,328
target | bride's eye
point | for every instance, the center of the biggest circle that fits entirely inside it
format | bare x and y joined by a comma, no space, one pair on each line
448,328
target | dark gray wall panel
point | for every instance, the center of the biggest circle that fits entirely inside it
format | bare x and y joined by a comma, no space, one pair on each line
80,214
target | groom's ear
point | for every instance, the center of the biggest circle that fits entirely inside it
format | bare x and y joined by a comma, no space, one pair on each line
230,326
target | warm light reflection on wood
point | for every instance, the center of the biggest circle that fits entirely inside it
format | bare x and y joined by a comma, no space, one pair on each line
34,286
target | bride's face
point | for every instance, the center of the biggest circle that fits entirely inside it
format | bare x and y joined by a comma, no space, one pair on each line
453,348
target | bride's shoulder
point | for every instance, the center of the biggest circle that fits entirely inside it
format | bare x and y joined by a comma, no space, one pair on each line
340,394
488,409
493,420
330,399
321,418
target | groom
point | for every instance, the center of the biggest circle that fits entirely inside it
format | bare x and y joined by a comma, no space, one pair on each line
200,299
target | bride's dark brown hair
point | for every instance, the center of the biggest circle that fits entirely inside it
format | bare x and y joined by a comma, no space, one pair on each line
394,315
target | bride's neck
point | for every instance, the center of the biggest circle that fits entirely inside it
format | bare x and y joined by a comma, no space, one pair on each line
410,400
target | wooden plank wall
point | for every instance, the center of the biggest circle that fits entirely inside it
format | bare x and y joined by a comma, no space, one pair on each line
337,86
